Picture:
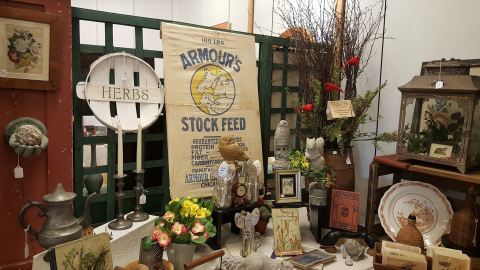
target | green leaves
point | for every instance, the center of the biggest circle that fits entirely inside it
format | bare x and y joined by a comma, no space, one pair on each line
148,243
183,238
210,229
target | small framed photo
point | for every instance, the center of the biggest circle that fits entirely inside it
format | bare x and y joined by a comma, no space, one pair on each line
287,186
29,49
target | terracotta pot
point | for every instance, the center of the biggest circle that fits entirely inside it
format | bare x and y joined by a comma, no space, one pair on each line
345,173
261,226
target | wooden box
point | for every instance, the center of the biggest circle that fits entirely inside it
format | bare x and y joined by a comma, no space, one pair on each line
377,260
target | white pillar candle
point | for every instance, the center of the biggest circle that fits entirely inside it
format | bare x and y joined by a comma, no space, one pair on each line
139,147
120,150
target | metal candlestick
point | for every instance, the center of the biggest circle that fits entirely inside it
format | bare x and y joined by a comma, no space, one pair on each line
138,214
120,223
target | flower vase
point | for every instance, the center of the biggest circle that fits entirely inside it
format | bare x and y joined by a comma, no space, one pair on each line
93,182
152,256
179,254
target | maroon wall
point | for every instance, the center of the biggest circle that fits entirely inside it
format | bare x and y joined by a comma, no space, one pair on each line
54,165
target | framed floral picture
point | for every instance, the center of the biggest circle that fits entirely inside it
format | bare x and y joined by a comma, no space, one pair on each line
287,186
27,56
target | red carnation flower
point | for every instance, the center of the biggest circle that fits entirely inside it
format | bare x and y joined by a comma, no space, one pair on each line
331,87
352,62
308,107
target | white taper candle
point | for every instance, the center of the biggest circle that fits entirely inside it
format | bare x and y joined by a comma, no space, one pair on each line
139,147
120,150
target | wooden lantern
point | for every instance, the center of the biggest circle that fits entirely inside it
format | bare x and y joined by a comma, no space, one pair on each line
441,124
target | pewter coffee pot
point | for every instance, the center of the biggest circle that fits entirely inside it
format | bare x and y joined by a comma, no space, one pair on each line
60,225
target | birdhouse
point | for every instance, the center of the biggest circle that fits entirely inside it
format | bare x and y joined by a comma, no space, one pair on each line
440,120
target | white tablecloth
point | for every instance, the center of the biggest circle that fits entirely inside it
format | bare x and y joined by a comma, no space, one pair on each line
125,246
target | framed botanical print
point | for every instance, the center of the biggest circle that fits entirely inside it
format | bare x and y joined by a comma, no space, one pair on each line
28,58
287,186
286,231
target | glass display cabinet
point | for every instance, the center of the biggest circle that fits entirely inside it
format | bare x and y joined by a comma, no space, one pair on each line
441,124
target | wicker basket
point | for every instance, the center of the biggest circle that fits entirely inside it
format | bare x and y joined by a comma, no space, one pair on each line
409,234
464,226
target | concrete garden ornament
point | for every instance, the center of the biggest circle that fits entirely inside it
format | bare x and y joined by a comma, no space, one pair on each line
27,135
314,152
281,145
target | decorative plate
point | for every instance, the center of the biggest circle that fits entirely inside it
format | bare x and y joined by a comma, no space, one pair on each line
431,207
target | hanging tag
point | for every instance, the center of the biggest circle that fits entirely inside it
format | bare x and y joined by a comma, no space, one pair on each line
223,170
3,73
334,152
438,84
143,199
348,161
18,172
26,248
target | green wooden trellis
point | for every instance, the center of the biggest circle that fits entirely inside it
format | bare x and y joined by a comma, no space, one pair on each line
104,204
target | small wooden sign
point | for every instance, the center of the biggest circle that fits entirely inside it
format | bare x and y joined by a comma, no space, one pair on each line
340,109
134,94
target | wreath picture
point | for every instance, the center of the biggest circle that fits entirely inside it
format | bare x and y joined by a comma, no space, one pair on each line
23,49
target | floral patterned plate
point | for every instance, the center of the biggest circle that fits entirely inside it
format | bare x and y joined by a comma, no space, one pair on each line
431,207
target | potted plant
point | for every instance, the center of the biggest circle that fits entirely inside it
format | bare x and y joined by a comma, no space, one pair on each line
186,223
265,215
318,180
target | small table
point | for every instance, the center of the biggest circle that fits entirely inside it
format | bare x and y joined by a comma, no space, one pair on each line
440,176
221,216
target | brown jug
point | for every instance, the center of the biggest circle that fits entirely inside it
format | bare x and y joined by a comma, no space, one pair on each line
464,223
409,234
60,225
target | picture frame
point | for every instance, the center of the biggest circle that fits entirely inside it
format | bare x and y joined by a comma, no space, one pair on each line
29,55
287,186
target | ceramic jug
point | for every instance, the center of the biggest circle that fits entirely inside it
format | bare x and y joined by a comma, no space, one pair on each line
60,225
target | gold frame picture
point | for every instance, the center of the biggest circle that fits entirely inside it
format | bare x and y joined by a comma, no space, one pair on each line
287,186
29,57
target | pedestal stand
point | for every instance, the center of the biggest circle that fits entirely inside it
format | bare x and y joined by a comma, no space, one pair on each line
120,223
138,214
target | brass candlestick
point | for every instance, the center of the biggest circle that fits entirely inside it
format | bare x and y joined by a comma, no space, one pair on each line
138,214
120,223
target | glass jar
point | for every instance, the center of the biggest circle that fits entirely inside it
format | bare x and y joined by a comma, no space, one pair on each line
222,194
248,242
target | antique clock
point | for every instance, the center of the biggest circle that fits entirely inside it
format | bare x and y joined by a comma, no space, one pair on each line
239,190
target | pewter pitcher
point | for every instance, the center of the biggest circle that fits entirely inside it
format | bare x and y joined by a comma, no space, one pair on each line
60,225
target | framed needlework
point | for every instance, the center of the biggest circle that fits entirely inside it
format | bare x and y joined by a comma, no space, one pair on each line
287,186
28,56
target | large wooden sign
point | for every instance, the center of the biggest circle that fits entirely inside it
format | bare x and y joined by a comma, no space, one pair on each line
211,91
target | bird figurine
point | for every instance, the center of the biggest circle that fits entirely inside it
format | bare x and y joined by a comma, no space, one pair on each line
230,150
281,145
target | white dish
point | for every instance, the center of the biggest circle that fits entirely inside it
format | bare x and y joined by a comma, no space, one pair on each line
430,206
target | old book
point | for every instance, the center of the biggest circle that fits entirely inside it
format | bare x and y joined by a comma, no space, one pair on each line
344,210
404,259
387,245
311,259
286,231
449,259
